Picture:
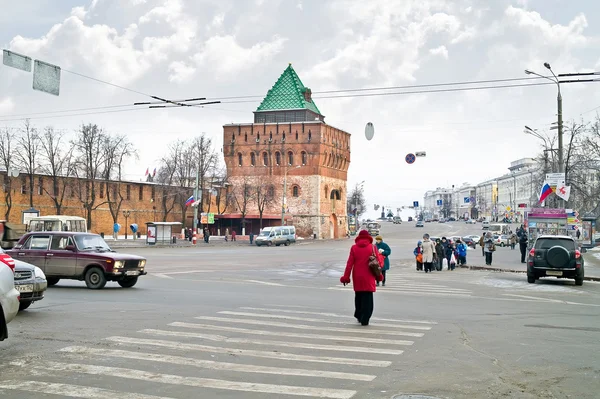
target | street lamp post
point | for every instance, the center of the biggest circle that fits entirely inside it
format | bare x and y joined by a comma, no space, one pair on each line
126,215
561,166
195,222
283,197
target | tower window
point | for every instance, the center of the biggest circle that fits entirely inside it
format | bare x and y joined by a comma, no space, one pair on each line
290,158
253,159
240,159
277,158
304,158
265,159
295,191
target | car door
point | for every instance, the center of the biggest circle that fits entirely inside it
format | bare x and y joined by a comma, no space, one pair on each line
60,261
34,250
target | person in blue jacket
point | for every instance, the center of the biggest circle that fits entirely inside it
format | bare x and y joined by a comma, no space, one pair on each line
385,251
461,248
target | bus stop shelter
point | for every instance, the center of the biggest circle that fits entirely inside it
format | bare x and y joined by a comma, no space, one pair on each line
161,232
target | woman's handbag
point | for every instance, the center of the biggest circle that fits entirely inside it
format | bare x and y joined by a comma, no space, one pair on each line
374,264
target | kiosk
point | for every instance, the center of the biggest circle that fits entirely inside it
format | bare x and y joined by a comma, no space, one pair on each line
545,221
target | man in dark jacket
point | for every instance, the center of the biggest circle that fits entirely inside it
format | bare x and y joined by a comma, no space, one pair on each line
439,253
523,244
448,250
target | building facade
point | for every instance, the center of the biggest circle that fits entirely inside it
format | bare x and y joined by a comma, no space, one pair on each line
288,165
494,199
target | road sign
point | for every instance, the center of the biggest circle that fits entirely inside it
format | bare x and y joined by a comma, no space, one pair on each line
369,131
440,202
46,77
522,205
555,179
416,204
467,200
508,208
15,60
472,199
410,158
420,154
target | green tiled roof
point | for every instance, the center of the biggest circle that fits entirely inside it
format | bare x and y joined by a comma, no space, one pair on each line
287,93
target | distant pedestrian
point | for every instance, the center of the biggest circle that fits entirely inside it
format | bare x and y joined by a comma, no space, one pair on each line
461,249
418,253
363,280
233,234
448,251
206,235
489,248
482,243
513,240
523,245
428,253
439,254
578,233
385,251
251,236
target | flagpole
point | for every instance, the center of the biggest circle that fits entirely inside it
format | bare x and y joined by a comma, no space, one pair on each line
195,222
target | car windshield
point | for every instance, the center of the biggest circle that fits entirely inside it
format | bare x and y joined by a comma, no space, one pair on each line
89,241
265,233
547,243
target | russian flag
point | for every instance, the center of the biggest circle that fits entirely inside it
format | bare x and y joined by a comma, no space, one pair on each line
189,201
546,191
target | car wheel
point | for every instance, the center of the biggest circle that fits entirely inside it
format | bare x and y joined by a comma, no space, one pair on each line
128,282
52,281
24,305
287,243
95,279
530,279
579,281
558,256
269,244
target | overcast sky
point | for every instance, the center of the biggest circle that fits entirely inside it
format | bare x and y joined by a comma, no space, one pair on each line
220,48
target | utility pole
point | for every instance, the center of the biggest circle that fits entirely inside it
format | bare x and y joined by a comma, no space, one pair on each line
195,222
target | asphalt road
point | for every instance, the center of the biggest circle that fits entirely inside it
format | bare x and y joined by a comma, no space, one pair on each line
236,321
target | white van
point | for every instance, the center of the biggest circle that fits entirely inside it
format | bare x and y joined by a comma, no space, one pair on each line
278,235
485,224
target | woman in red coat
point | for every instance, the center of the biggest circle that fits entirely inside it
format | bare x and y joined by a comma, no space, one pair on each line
363,279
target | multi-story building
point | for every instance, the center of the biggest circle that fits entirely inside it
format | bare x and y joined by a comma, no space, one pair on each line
300,161
503,196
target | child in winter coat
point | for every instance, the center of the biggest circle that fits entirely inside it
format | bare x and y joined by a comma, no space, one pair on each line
418,252
461,248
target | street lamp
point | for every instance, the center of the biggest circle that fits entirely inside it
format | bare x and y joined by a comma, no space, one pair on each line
283,197
126,215
559,104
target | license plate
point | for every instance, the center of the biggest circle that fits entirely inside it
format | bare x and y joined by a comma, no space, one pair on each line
24,288
132,273
553,273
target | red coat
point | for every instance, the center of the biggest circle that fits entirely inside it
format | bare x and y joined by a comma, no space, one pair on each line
358,264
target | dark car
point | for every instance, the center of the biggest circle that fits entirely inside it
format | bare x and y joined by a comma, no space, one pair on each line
557,256
469,241
78,256
31,283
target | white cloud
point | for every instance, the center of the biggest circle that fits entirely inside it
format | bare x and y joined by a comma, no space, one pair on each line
558,35
79,12
226,57
6,105
299,6
180,72
170,11
442,51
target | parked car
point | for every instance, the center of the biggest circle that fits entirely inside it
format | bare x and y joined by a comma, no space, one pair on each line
469,241
420,223
485,225
277,236
470,221
557,256
9,296
78,256
31,283
501,240
442,220
410,219
397,220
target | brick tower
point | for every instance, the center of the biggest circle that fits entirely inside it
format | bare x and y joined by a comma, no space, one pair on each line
289,163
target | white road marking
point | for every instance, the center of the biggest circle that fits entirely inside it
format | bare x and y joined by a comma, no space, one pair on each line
221,338
264,282
189,271
417,289
334,315
45,367
160,275
248,352
355,329
293,335
72,391
271,316
425,293
213,365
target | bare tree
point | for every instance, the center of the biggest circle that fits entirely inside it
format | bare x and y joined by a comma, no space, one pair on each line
168,177
57,163
89,162
356,200
223,197
263,195
116,149
28,144
7,160
242,195
204,159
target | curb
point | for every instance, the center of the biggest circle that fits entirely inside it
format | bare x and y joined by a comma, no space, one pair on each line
497,269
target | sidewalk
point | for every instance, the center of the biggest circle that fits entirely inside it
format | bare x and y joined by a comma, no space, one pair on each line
507,260
213,242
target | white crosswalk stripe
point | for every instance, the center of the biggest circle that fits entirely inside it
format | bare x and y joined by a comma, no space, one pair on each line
430,284
320,349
